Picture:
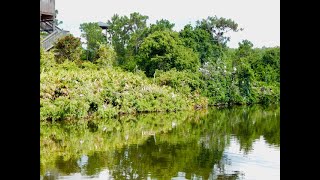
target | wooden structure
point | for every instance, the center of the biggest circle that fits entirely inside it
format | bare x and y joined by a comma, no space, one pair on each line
47,15
104,26
47,10
47,24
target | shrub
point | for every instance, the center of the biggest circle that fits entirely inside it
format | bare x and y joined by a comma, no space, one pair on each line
182,81
69,91
67,48
164,50
46,60
106,56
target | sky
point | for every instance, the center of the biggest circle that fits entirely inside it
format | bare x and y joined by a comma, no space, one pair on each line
259,18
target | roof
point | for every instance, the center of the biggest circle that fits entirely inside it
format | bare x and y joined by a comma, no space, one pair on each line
103,25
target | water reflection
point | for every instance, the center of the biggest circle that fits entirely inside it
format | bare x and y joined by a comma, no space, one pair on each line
231,143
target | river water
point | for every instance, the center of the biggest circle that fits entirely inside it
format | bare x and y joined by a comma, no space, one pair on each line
241,142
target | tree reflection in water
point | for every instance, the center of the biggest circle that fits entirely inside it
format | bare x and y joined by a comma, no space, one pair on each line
193,149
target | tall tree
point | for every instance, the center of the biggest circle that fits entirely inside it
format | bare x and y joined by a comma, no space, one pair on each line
126,34
218,27
243,53
94,36
161,25
200,41
245,48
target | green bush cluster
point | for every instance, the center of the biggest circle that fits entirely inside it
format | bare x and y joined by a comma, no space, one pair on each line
47,60
242,79
163,50
67,48
106,56
72,91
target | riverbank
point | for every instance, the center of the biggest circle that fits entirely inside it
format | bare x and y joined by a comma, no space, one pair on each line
82,89
71,91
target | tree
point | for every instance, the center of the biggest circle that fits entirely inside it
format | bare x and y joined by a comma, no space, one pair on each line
245,76
138,24
244,49
106,55
208,37
127,34
201,42
272,57
218,27
161,25
243,53
267,68
94,36
164,50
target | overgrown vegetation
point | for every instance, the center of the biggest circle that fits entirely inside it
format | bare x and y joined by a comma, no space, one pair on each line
71,90
144,68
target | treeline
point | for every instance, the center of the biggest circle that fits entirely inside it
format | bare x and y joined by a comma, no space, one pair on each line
194,60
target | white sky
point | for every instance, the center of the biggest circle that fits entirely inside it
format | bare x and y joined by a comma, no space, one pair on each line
259,18
262,162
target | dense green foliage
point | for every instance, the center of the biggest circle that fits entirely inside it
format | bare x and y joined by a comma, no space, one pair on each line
67,48
218,27
99,95
163,50
127,34
195,63
71,90
106,55
94,37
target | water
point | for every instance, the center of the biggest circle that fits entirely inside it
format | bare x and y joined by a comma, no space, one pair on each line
231,143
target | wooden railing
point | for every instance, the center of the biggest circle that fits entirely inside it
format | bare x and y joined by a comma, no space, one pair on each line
48,42
48,27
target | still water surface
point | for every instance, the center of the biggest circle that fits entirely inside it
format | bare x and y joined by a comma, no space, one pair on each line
230,143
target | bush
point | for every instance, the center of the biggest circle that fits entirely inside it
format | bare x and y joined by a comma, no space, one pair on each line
267,93
68,91
46,60
106,56
67,48
245,76
182,81
89,65
164,50
68,65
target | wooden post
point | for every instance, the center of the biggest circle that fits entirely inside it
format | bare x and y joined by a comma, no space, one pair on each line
54,16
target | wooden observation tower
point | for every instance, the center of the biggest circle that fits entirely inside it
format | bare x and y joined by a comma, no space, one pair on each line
47,24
